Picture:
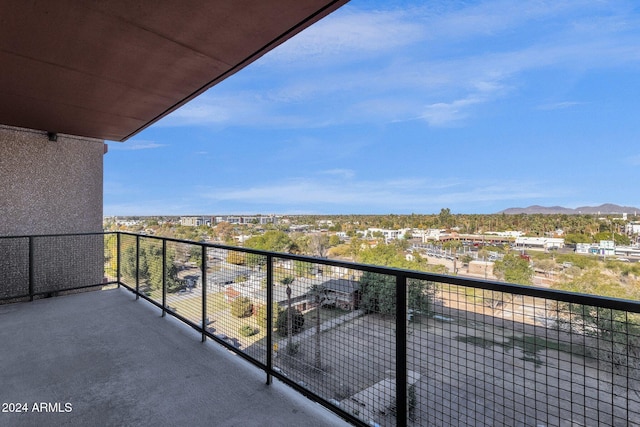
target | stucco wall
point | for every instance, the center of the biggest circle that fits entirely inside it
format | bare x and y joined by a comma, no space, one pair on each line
49,187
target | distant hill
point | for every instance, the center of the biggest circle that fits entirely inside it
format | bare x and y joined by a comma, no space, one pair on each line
607,208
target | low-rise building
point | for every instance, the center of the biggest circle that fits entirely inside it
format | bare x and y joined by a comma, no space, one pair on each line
545,243
632,228
195,221
246,219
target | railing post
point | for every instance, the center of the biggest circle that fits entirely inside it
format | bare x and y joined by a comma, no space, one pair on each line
204,292
118,257
137,267
164,279
401,350
269,318
31,268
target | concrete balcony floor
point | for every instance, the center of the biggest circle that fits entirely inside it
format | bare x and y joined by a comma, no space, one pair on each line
115,361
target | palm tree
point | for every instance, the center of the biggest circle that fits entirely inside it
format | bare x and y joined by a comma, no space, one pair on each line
287,281
318,293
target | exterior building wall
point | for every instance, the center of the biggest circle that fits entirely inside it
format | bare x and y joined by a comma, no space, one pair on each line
49,187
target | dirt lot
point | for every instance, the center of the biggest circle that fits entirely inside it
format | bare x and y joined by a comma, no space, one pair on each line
470,370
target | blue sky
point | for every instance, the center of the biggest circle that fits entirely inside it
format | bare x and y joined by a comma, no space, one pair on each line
407,107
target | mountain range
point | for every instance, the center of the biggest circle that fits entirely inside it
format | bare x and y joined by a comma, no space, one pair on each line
604,209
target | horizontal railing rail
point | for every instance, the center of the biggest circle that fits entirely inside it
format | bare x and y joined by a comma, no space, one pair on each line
376,345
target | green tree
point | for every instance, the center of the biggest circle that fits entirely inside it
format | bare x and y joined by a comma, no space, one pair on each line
378,294
241,307
195,255
151,261
129,262
574,238
297,321
445,218
392,255
619,239
302,268
173,283
272,240
514,269
336,227
261,315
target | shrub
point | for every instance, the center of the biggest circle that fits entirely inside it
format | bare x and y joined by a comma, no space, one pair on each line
247,331
241,307
293,348
237,258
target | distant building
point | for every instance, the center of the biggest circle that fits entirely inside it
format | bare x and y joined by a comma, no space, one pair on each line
632,228
342,293
389,234
250,219
430,234
607,247
195,221
540,242
515,234
586,248
299,289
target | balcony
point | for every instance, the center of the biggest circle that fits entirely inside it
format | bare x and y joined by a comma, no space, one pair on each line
376,346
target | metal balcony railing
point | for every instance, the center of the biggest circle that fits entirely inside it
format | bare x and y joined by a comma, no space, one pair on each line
378,346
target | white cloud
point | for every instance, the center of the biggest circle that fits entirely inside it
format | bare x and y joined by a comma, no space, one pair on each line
404,195
559,105
442,114
135,145
359,66
347,33
341,173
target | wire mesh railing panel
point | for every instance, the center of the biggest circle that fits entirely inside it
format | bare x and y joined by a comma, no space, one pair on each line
128,259
150,256
335,335
67,262
233,280
183,273
111,257
482,357
14,267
